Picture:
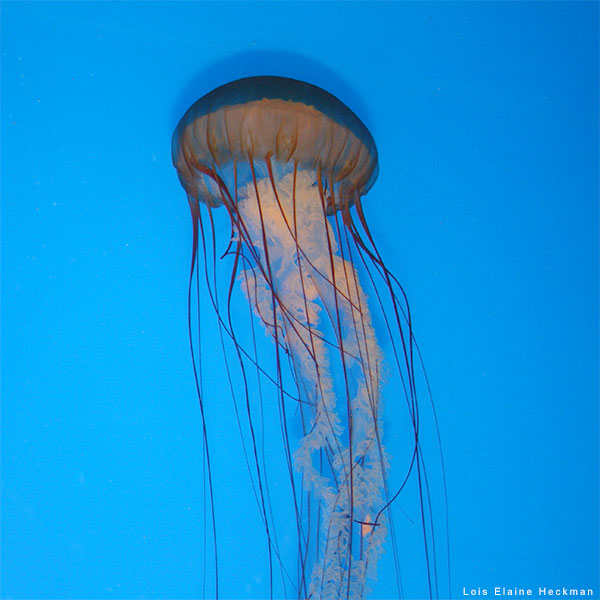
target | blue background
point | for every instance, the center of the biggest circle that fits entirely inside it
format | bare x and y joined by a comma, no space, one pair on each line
486,208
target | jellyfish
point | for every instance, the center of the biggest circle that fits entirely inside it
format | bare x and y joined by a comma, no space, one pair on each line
289,164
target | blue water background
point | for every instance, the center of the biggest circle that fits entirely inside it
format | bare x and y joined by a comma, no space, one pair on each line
486,208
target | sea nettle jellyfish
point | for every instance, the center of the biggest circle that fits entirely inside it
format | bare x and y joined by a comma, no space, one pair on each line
289,163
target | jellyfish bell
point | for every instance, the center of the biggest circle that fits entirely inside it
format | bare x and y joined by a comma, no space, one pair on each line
289,162
284,121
